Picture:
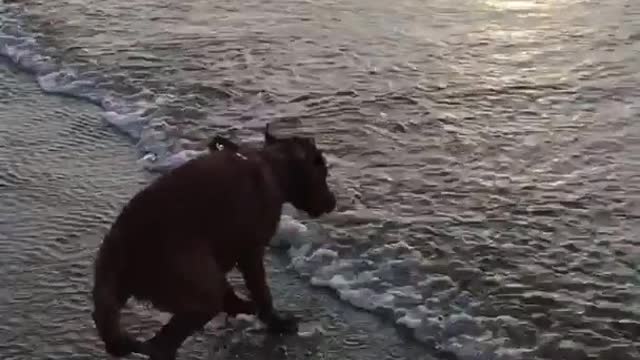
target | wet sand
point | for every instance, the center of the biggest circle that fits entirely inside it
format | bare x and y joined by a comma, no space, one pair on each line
64,174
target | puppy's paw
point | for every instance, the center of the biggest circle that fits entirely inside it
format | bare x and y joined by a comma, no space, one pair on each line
156,351
239,306
279,323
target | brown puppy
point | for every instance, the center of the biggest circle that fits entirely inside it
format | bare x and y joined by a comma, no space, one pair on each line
175,240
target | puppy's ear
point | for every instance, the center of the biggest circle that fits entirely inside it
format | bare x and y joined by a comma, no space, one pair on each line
268,137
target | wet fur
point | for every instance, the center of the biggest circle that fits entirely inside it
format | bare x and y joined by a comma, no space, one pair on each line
175,240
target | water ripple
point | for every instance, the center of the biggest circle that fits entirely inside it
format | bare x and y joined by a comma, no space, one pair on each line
485,151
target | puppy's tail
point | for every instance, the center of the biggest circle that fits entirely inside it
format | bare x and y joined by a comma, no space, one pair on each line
109,296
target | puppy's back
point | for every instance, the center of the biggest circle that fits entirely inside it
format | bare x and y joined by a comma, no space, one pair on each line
216,192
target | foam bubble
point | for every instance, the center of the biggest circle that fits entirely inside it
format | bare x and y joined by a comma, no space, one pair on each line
22,52
290,233
413,317
68,82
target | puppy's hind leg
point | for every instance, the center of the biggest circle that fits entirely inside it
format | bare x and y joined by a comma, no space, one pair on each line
195,299
166,342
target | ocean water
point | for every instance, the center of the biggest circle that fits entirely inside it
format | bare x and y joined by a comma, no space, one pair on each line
485,152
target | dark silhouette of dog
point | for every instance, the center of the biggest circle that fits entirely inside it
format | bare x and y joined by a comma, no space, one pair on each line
174,242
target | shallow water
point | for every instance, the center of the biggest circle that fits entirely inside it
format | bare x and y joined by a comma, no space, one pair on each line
485,152
58,194
65,174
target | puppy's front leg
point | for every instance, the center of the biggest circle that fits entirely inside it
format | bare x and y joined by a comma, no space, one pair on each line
234,305
251,265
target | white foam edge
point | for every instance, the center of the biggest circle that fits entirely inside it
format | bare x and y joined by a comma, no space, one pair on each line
457,332
127,116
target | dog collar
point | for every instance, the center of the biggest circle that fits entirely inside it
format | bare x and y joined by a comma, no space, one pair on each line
220,147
